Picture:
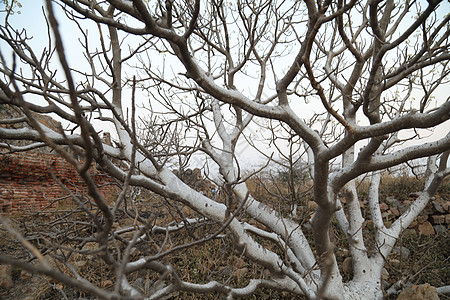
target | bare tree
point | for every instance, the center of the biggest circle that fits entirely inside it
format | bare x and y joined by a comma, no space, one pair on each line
346,80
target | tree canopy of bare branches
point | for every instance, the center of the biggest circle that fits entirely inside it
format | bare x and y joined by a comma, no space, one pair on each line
346,89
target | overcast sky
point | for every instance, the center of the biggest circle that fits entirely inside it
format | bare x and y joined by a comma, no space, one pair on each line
31,18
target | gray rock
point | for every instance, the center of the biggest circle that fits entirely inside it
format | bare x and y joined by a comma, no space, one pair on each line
402,251
440,229
438,207
307,226
392,201
139,283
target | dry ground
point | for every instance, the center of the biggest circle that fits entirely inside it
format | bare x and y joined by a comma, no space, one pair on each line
428,260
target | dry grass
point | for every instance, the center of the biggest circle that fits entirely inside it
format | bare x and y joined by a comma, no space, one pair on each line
428,261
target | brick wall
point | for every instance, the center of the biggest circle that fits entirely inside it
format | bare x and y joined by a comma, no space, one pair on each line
26,183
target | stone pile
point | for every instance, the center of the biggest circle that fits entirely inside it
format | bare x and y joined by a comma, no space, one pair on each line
435,218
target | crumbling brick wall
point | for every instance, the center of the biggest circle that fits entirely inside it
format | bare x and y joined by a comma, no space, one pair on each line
26,183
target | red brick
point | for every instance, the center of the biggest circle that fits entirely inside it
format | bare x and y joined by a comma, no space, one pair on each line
28,177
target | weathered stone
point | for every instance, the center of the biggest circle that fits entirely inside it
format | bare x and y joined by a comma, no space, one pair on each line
384,207
395,211
413,224
446,205
307,226
427,211
422,219
402,251
419,292
440,229
437,219
438,206
426,229
6,280
392,201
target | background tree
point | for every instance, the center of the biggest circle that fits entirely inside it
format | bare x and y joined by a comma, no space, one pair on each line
345,80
